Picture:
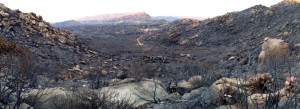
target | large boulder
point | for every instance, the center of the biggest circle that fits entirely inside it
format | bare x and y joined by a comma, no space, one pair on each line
44,99
138,93
273,50
203,97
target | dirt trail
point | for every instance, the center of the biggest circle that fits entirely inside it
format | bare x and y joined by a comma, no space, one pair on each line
138,40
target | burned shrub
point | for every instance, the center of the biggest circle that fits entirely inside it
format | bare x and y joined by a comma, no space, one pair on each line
260,83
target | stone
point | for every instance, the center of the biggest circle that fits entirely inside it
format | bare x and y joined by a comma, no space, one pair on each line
184,42
183,87
283,101
104,72
182,55
173,96
204,96
2,13
44,98
196,92
273,49
139,93
188,55
297,45
256,100
231,58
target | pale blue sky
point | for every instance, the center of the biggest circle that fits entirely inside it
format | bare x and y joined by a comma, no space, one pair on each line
61,10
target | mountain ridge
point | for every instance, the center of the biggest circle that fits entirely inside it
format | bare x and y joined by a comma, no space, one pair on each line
122,18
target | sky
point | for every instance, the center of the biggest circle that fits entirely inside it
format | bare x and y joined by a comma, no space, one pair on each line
62,10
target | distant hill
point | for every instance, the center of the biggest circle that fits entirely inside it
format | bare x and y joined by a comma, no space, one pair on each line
131,18
292,1
67,23
102,17
124,18
173,18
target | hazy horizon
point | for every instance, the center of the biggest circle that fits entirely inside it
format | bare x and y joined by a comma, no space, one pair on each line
57,10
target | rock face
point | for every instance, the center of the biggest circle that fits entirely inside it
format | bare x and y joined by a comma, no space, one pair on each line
139,93
273,50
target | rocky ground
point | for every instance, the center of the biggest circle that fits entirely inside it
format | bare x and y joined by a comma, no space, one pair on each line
246,59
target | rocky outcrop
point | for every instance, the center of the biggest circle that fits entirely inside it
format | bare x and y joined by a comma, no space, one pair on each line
49,46
15,22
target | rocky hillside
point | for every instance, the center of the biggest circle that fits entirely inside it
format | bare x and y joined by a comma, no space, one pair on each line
54,50
278,21
238,33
